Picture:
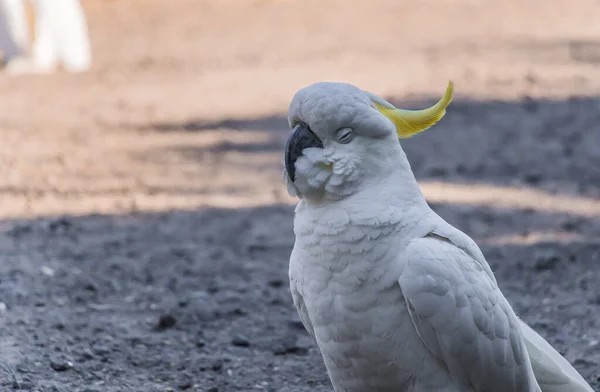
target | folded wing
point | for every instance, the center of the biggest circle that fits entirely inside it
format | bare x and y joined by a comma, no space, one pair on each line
463,318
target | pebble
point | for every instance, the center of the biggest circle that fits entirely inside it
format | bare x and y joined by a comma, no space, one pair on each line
101,350
290,349
240,341
276,283
165,321
288,345
546,261
532,178
184,383
60,365
47,271
297,325
217,365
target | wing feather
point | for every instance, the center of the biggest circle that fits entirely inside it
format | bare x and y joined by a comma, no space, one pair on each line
301,308
553,372
464,319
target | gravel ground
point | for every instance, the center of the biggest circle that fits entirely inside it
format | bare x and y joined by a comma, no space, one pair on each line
144,229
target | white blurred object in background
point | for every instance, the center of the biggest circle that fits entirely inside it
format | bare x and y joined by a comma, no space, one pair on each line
60,36
14,31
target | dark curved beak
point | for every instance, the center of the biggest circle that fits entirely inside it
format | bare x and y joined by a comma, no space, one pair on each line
302,137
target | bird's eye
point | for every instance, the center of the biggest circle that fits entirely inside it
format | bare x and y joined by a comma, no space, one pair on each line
344,135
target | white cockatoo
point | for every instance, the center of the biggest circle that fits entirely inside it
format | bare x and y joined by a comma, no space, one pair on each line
14,32
395,298
60,36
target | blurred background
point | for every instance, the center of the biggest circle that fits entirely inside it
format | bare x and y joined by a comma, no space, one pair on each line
144,226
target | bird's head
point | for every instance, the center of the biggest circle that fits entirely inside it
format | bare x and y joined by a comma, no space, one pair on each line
345,139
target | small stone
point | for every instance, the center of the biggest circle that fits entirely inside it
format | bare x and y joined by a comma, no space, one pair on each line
546,261
580,362
60,365
86,354
533,178
182,303
217,366
212,389
101,351
437,171
165,321
288,345
47,271
571,224
297,325
184,383
290,349
276,283
240,341
2,307
238,312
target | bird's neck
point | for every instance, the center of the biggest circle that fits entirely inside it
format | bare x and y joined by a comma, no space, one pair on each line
370,226
394,189
382,201
387,197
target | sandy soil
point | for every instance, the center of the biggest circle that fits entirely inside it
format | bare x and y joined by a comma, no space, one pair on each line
145,232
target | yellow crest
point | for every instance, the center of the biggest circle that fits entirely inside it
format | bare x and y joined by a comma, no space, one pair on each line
411,122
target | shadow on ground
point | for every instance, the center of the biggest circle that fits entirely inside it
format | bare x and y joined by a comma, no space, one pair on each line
266,123
200,297
553,145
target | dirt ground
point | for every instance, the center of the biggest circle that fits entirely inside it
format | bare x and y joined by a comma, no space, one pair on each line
144,227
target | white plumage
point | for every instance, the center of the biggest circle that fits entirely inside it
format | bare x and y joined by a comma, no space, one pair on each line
395,298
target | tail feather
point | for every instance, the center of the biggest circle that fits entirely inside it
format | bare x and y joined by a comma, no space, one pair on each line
552,371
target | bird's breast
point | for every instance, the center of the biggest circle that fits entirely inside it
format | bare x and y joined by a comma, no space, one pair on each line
360,320
366,337
345,267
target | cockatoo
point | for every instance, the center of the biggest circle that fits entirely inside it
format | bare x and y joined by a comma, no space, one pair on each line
60,36
395,298
14,32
